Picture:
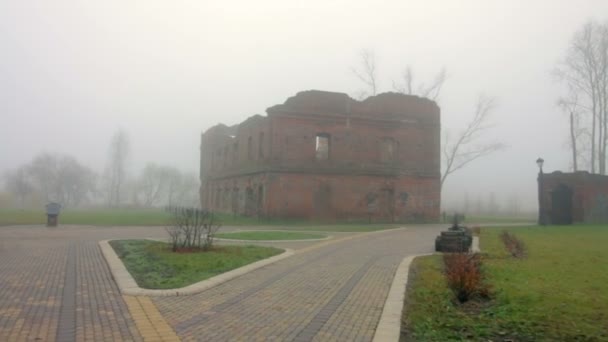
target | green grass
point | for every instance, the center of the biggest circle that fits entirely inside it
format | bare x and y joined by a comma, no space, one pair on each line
499,219
97,217
154,266
558,293
270,235
157,217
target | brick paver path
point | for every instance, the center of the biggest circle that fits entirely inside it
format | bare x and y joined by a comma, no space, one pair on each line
56,286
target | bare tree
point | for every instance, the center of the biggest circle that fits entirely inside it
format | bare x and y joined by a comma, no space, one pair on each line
61,178
18,183
116,168
464,148
571,106
430,91
152,184
585,72
367,73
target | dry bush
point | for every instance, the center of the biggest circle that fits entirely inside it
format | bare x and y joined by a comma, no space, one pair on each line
192,229
464,276
514,245
476,230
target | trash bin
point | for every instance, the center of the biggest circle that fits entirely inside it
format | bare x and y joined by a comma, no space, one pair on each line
52,214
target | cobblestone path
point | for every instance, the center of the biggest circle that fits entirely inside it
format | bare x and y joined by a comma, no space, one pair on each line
56,286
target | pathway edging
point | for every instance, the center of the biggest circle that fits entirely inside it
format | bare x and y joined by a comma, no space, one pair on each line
128,286
389,326
327,237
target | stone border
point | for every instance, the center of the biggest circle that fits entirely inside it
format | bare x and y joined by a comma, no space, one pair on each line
128,286
327,237
389,326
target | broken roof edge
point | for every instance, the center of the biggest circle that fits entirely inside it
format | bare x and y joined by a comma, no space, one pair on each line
389,103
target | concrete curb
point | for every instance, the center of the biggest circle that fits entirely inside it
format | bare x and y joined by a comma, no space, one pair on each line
327,237
389,327
128,286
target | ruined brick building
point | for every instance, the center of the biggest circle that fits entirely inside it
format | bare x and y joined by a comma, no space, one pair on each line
322,155
573,197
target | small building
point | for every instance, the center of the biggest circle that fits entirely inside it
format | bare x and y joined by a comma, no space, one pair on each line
578,197
323,155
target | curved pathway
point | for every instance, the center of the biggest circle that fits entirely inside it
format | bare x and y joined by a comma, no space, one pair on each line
56,286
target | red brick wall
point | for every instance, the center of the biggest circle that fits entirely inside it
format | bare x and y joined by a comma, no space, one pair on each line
362,176
590,191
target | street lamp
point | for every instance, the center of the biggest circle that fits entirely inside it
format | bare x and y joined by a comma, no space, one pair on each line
541,209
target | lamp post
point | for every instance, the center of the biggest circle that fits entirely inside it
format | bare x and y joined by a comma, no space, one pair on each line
541,209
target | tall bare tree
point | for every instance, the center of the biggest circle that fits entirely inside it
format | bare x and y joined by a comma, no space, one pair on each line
19,184
116,168
367,73
430,91
465,148
60,178
571,106
585,72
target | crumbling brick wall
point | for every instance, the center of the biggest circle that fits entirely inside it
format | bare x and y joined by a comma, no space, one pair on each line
589,195
323,155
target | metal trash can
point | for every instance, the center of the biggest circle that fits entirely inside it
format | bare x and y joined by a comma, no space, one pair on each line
52,214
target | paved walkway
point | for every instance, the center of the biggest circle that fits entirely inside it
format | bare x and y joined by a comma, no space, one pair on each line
56,286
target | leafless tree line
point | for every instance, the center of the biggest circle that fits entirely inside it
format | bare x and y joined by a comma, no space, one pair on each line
584,73
62,178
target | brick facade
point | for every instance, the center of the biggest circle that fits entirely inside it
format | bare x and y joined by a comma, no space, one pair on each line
588,196
323,155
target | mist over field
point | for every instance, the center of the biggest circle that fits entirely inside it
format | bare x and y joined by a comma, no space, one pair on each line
74,74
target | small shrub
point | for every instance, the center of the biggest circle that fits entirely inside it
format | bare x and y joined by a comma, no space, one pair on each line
514,245
464,276
476,230
192,229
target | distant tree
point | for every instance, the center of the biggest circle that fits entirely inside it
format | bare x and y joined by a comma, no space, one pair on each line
19,184
430,91
571,106
61,178
466,203
152,184
585,73
187,194
174,184
367,73
513,205
493,208
465,147
116,168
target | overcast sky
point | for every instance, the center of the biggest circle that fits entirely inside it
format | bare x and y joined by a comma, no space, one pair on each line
73,72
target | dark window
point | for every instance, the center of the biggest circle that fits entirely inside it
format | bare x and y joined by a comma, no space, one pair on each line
261,146
388,150
250,148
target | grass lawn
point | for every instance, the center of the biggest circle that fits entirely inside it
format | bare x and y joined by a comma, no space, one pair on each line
158,217
499,219
270,235
154,266
558,293
98,217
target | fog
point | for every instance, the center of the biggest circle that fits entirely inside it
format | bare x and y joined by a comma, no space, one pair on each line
74,72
